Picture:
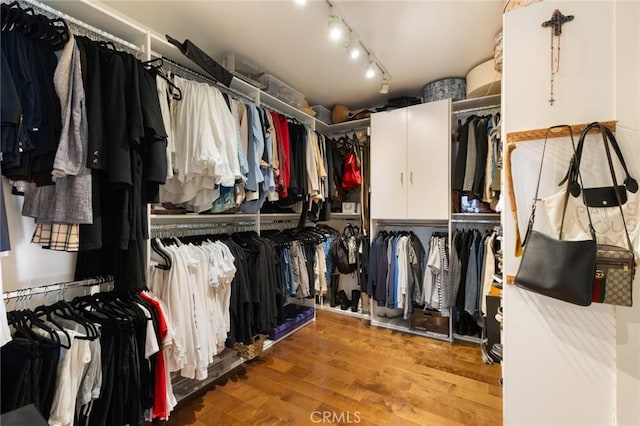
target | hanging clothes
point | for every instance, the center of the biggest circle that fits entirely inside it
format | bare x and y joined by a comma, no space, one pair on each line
127,146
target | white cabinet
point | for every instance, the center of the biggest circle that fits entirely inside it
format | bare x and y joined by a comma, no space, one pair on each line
410,162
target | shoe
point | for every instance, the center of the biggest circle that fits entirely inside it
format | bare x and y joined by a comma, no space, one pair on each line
355,300
343,300
333,292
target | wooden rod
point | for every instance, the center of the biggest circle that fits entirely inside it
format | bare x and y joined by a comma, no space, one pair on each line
538,134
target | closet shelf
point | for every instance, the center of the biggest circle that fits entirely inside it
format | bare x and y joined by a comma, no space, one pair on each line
474,103
400,324
347,126
475,218
268,344
194,217
99,16
347,312
435,223
471,339
222,365
538,134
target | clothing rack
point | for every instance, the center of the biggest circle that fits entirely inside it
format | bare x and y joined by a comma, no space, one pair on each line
71,21
345,132
276,224
194,73
47,288
286,114
166,230
423,223
474,221
482,108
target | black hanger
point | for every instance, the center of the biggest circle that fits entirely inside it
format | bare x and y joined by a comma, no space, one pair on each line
154,63
157,247
58,34
108,45
64,310
33,319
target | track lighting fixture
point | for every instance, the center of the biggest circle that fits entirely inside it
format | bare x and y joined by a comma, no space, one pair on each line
338,28
353,47
335,28
371,69
384,88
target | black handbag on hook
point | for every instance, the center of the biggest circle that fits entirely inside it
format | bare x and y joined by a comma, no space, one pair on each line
604,196
556,268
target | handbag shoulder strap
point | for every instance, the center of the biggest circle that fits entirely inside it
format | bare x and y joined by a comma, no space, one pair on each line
630,183
605,136
536,199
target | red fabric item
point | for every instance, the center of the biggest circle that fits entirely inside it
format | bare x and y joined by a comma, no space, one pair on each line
284,151
160,407
598,296
351,177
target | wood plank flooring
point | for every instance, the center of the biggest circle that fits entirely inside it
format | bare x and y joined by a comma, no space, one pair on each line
340,370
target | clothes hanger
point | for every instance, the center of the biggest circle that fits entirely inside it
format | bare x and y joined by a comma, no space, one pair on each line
59,34
65,311
34,319
156,245
154,63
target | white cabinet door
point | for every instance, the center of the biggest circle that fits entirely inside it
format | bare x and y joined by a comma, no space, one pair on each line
388,164
428,144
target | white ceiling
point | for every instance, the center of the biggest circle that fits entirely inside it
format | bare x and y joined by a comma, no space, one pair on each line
416,41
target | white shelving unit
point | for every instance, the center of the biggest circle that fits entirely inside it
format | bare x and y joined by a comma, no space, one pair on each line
461,109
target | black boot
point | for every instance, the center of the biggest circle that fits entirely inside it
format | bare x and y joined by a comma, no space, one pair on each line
355,299
333,291
344,300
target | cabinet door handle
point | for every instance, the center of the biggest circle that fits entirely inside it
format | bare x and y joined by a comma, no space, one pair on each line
411,177
401,178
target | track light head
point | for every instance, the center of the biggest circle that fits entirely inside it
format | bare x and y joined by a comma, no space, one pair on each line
371,70
353,47
335,28
384,88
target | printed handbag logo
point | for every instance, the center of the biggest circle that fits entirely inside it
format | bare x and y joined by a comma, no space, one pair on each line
618,290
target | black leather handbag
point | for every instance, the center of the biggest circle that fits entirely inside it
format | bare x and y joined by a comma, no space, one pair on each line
557,268
602,196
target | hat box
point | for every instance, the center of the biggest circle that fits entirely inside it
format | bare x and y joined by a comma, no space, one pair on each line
454,88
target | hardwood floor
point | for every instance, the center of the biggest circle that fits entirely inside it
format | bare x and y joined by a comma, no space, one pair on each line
341,370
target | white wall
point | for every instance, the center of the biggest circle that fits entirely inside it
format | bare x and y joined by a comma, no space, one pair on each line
27,264
566,364
628,114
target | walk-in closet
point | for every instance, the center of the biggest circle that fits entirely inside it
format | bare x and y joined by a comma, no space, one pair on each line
319,212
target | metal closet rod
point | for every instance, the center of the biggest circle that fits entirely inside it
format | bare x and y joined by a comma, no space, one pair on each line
279,111
410,223
220,87
482,108
208,79
472,221
344,132
195,229
47,288
195,226
44,9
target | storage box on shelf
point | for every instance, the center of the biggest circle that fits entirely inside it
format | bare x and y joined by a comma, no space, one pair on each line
281,90
322,113
242,68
